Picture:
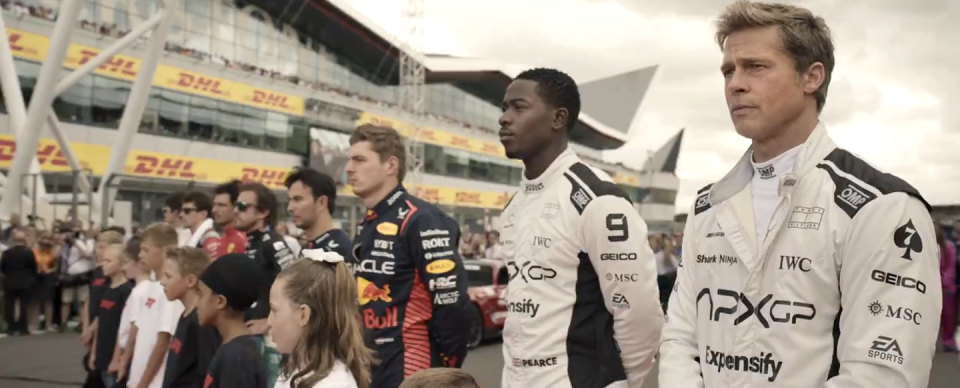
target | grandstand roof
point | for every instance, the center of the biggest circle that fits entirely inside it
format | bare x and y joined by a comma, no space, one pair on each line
665,159
609,104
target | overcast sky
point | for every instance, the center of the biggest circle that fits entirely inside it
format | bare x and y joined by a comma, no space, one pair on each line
894,98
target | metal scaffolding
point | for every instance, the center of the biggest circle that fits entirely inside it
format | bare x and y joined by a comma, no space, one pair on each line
412,79
27,124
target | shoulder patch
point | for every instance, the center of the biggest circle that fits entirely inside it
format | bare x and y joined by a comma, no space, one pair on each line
851,196
703,201
579,196
598,186
705,189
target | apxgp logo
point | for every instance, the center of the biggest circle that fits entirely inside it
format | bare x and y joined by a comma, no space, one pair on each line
763,364
529,271
780,311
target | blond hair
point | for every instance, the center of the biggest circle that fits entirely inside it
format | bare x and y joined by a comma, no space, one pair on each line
190,261
440,378
110,237
160,234
386,142
333,331
805,36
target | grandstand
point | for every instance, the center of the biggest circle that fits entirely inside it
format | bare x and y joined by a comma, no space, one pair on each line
250,89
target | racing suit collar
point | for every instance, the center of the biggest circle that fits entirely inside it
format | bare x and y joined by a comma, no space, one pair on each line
387,203
812,152
557,167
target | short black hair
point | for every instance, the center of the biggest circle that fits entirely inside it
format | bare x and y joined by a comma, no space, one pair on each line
320,184
201,200
174,201
266,200
557,89
231,188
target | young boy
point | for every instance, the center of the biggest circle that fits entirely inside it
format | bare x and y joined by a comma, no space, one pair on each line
440,378
113,298
157,317
192,347
128,331
90,310
227,288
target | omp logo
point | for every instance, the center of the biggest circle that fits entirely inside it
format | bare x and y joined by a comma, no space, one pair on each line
164,167
269,99
854,196
200,83
763,364
115,64
266,176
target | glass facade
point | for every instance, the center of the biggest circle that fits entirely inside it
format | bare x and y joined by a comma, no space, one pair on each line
238,34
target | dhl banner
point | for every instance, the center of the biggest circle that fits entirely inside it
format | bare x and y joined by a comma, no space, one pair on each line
34,47
445,139
158,165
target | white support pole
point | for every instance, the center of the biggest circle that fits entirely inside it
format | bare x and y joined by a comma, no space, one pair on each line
40,104
136,103
17,109
72,161
109,52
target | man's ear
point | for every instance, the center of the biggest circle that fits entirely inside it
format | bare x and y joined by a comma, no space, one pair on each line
192,281
221,302
560,119
813,78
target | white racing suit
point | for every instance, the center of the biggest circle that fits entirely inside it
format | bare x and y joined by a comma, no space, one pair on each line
842,293
583,303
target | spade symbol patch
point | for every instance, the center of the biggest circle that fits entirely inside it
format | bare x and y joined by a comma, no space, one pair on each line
908,238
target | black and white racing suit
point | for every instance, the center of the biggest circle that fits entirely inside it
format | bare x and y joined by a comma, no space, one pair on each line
583,302
271,254
842,293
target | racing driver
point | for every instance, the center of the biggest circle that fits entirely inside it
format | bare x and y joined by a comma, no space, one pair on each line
313,197
583,306
804,266
411,282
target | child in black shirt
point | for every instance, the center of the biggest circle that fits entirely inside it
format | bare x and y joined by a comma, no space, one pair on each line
229,287
112,300
192,347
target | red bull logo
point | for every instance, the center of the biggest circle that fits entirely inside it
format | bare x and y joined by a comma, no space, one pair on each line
368,292
372,321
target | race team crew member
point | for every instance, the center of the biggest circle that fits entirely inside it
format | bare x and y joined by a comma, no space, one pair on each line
195,213
313,197
411,283
804,266
256,210
224,197
583,306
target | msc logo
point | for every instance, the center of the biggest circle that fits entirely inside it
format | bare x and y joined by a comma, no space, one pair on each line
623,277
618,256
780,311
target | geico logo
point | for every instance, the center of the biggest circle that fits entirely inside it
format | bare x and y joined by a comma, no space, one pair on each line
436,242
443,283
529,271
899,281
618,256
372,266
373,321
382,244
780,311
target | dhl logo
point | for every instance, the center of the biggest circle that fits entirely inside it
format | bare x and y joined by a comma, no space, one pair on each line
429,195
427,135
502,200
267,177
47,155
270,99
200,83
378,121
491,148
114,64
164,167
14,40
465,197
458,141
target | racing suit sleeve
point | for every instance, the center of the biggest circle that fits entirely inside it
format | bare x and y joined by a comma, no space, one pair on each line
433,248
213,246
679,351
615,238
888,262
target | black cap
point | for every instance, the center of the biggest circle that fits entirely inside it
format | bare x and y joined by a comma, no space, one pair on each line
236,277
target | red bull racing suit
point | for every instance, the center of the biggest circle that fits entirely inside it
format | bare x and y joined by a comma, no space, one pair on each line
412,288
334,240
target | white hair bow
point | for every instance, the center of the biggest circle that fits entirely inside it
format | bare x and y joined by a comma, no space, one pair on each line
322,255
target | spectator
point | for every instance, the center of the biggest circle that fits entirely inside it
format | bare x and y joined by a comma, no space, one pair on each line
14,224
47,268
19,268
440,378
